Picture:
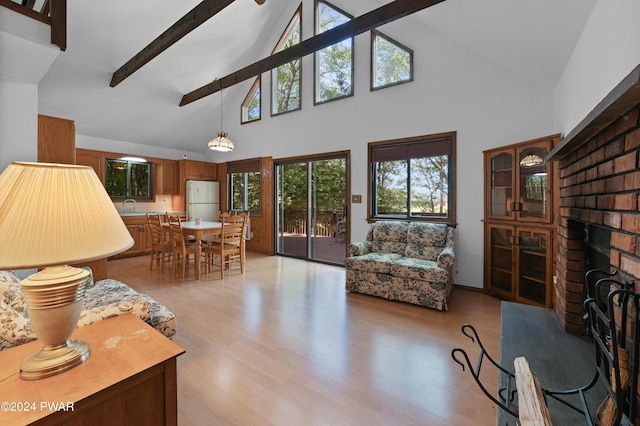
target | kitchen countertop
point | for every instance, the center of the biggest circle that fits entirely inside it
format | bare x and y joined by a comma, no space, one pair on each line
142,213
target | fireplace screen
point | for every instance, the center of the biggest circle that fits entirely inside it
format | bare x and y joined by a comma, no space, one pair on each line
598,248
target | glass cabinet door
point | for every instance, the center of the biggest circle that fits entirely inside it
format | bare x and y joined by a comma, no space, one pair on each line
533,201
534,266
501,268
501,166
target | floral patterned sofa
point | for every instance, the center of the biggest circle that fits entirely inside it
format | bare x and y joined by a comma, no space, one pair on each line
407,262
103,299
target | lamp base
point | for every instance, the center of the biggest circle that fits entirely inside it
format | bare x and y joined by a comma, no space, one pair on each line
52,360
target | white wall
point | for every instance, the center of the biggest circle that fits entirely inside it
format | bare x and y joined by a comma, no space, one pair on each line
454,89
18,123
101,144
608,50
25,56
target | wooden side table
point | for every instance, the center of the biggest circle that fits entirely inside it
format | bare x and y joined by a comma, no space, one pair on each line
129,379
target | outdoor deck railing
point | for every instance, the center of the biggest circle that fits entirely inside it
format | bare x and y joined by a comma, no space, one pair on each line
295,222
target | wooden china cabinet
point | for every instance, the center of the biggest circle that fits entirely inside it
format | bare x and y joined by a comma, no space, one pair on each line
520,221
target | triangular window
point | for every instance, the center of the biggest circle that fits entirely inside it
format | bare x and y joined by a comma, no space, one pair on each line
286,79
391,62
251,109
333,64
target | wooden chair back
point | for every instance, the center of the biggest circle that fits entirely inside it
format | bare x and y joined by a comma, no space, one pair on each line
181,248
176,217
161,247
229,249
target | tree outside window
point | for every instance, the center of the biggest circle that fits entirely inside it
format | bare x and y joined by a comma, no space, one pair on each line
333,64
413,179
286,79
245,191
128,179
391,62
251,109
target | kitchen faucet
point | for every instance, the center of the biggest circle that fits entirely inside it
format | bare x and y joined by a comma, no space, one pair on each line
128,200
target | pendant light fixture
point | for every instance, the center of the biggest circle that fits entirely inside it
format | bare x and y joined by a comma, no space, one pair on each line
531,160
221,143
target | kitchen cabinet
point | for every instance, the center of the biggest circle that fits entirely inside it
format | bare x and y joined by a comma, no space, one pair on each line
95,159
56,140
139,230
168,172
57,144
518,183
521,191
521,265
199,170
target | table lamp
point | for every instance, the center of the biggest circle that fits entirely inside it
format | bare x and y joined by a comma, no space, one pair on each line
51,216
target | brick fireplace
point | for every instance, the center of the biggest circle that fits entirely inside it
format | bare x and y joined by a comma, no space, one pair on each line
599,180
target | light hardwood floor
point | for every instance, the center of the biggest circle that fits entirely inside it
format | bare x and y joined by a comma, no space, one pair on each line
284,344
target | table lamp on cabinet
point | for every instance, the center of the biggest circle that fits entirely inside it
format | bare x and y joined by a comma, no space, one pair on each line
52,216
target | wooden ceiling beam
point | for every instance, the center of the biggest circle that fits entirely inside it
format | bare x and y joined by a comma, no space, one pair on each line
383,15
189,22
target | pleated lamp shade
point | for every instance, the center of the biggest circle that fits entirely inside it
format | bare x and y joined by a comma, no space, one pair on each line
53,214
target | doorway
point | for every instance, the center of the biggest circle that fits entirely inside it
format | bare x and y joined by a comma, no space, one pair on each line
312,209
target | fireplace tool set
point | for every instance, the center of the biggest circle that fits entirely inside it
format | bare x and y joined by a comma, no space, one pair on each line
612,316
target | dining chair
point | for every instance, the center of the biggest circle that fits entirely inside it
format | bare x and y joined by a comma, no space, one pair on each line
174,217
245,216
228,250
179,217
161,246
181,247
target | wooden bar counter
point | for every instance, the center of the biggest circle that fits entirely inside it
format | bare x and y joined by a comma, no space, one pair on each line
130,378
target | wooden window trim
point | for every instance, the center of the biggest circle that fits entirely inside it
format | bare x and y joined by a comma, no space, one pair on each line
411,148
315,56
376,33
257,85
281,40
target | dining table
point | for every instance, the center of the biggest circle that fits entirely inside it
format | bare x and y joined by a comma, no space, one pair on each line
199,230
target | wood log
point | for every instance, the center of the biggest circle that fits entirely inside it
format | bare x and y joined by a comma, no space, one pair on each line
532,408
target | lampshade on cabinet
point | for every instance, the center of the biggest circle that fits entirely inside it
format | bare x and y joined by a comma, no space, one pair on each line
53,215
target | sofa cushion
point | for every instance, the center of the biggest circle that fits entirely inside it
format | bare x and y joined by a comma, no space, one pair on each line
372,262
419,269
422,252
389,237
139,307
10,292
15,328
427,234
426,240
107,292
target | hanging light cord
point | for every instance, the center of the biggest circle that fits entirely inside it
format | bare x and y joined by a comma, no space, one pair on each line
221,108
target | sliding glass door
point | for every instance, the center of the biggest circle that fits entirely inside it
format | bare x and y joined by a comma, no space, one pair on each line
312,208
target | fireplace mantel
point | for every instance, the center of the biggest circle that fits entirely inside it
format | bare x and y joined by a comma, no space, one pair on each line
618,102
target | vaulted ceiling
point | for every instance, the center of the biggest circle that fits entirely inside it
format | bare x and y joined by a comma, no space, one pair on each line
534,38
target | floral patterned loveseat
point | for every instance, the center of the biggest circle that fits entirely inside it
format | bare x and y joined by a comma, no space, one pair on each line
102,300
408,262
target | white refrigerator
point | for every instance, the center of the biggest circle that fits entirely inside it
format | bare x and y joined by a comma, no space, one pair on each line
203,200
